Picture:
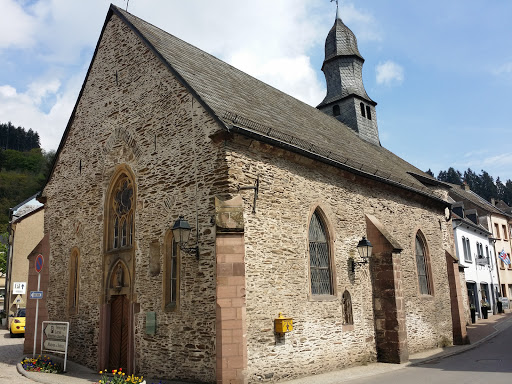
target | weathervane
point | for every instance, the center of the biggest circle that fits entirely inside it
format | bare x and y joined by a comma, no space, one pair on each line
337,10
128,1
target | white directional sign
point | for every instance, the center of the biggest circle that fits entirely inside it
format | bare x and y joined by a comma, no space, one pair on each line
55,345
56,331
36,295
19,288
55,338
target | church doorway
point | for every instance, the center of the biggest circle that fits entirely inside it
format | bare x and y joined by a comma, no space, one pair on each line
117,338
119,325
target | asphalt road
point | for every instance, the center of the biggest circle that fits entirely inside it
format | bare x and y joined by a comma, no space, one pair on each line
11,353
489,363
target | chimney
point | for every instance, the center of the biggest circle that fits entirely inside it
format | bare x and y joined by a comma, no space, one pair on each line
465,186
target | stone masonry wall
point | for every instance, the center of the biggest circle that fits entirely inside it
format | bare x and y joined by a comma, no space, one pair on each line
134,112
277,263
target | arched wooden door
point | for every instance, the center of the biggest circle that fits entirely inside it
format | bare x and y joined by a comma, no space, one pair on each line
119,327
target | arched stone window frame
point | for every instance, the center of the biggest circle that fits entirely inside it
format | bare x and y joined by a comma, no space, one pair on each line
171,274
120,214
423,265
74,281
331,292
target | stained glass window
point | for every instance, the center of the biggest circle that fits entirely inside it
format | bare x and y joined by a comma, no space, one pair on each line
122,214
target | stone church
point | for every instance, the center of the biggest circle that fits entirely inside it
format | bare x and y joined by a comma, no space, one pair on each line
277,198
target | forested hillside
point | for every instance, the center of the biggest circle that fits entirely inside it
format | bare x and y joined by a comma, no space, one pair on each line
482,184
23,168
17,138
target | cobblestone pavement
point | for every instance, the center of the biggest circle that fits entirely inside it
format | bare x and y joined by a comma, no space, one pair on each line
11,353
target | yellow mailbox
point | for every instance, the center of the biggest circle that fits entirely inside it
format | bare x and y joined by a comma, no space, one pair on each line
283,324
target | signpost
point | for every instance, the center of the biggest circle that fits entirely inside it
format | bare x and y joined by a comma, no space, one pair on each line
55,337
39,267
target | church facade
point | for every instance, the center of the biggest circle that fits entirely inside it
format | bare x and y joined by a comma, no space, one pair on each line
277,195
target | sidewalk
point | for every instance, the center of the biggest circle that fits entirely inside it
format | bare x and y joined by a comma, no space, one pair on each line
478,333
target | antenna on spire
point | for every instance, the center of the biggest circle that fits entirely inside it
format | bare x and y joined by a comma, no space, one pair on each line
128,1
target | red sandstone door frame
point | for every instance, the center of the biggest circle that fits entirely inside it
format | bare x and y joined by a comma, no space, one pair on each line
117,286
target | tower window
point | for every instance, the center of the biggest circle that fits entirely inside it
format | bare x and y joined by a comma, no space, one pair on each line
336,110
362,110
368,113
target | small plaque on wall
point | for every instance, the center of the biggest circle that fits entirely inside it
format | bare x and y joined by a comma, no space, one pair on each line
150,323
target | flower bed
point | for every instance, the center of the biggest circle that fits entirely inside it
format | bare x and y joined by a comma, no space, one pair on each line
41,364
119,377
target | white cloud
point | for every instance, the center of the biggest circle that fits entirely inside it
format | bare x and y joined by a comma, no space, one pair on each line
17,28
294,75
24,108
389,73
362,23
503,69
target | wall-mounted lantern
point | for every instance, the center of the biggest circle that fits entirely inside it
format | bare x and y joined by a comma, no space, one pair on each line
364,248
181,233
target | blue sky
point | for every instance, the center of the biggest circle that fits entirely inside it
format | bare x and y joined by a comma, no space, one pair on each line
440,71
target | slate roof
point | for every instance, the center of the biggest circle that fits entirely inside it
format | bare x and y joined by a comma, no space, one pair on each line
458,193
250,107
23,209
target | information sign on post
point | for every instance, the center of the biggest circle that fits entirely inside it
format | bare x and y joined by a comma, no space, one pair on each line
55,337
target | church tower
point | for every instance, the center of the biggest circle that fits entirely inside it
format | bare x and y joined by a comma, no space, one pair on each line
346,98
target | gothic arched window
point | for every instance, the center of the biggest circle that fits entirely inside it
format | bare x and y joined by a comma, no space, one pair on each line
172,273
346,300
121,214
319,257
423,266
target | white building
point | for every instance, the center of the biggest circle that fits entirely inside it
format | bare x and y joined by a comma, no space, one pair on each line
475,250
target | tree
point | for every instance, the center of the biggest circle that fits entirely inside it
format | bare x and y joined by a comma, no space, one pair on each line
486,187
471,179
3,257
450,176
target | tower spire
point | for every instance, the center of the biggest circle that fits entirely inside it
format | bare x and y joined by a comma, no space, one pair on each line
346,98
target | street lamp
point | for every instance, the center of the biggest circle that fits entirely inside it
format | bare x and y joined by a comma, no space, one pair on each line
181,234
